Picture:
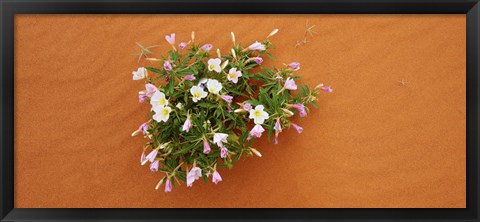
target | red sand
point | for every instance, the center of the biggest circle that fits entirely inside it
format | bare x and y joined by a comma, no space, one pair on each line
373,142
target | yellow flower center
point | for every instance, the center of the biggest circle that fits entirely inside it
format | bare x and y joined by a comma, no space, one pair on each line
196,95
212,66
212,89
232,75
165,112
162,102
257,113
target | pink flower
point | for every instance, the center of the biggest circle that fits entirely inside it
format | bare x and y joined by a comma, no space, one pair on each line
167,66
193,175
143,128
301,109
170,39
187,124
294,65
256,131
154,166
216,178
256,46
290,84
152,155
227,98
168,186
206,147
247,106
220,138
151,89
223,152
258,60
142,98
297,127
182,45
189,77
327,89
207,47
277,127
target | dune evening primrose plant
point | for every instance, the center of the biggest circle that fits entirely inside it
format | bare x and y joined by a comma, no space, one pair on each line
206,109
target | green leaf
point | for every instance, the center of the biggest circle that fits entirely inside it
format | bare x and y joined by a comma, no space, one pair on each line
271,56
153,69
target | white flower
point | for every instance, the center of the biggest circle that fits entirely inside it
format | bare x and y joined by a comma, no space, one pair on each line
202,81
214,64
220,138
258,115
214,86
162,113
179,105
233,75
158,99
197,93
139,74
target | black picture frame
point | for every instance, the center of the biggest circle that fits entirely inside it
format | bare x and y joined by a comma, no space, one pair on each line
8,9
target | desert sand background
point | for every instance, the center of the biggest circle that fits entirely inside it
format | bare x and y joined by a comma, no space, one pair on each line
374,142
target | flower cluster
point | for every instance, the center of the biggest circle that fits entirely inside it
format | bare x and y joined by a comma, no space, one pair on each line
207,108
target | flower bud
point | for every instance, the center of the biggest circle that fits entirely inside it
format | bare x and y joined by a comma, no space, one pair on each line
136,132
143,157
288,112
233,37
272,33
218,53
162,146
193,37
233,54
254,151
159,183
224,64
153,59
318,86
